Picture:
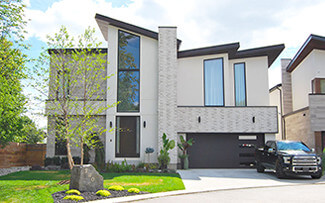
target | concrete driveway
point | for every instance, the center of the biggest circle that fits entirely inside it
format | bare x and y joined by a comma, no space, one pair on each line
198,180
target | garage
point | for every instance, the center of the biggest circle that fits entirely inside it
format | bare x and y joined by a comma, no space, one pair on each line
223,150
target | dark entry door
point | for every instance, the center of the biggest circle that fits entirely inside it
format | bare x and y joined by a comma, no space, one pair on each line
222,150
127,136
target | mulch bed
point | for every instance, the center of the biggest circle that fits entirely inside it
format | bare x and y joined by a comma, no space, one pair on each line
91,196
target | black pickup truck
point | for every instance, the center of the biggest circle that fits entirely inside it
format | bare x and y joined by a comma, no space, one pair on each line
288,157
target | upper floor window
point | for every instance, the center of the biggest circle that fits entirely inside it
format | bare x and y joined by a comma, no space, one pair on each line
318,85
128,72
63,82
240,84
213,82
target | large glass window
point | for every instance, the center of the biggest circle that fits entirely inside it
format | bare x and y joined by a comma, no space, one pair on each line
128,72
127,136
63,85
213,82
240,84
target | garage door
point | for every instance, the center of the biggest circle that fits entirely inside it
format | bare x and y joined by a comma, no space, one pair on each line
223,150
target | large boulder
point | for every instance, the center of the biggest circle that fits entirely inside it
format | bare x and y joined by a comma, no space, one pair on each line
85,178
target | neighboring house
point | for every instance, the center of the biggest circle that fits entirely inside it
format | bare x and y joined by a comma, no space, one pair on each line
303,94
217,95
276,100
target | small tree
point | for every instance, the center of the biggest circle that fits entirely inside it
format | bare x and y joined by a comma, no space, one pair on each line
12,66
75,87
163,157
183,146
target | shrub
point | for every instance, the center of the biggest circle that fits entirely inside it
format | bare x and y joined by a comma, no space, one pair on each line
73,197
133,190
57,160
48,161
64,163
103,193
76,160
163,157
116,188
118,168
140,165
73,191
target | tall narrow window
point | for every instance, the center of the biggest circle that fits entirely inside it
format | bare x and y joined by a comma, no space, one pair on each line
63,84
240,84
127,136
128,72
213,82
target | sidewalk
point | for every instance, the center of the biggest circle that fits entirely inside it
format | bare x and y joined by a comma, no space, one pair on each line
203,180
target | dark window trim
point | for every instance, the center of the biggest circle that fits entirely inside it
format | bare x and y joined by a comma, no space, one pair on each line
118,70
223,80
244,81
116,129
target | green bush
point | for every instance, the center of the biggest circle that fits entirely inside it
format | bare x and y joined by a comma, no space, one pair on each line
133,190
76,160
103,193
116,188
57,160
119,168
73,191
64,163
163,157
73,197
48,161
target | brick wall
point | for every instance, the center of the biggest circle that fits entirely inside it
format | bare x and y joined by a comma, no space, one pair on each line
21,154
298,127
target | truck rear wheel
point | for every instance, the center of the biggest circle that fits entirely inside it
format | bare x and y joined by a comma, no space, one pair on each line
259,167
279,171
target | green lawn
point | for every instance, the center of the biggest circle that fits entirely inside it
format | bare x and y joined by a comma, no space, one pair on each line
37,186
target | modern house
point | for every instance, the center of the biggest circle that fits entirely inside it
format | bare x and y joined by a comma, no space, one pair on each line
301,97
217,95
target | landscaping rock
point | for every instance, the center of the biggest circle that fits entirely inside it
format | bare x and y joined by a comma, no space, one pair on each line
86,178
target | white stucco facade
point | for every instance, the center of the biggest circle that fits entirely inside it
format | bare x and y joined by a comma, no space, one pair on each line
311,67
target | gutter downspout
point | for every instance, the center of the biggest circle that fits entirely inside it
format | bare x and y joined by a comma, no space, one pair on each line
282,117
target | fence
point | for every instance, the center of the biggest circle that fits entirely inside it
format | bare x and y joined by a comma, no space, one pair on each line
22,154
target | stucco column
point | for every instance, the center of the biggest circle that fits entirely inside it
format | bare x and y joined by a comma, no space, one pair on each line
167,88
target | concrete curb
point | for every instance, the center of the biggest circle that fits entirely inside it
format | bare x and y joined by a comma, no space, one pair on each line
184,192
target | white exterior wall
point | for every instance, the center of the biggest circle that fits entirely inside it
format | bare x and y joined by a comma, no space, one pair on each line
311,67
190,84
148,96
190,87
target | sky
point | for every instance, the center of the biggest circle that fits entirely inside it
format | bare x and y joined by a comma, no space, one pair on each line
252,23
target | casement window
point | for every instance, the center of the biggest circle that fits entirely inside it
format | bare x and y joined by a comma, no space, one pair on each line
128,88
127,136
63,85
318,86
213,82
240,84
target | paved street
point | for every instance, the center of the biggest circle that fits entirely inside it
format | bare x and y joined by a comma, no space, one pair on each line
292,193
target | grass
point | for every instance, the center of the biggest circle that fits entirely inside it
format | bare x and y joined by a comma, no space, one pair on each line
37,186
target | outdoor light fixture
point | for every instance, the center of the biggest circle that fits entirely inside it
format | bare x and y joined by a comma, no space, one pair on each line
110,124
199,119
144,124
253,119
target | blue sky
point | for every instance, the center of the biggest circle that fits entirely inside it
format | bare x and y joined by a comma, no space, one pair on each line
253,23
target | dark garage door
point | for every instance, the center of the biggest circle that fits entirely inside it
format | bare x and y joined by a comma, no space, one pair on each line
223,150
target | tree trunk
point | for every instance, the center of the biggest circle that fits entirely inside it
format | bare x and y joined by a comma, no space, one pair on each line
70,160
82,152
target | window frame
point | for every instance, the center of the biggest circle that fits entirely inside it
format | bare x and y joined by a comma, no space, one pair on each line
125,69
244,82
316,86
223,82
60,86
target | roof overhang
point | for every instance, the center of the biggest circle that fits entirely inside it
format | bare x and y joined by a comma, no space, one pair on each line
313,42
104,21
272,52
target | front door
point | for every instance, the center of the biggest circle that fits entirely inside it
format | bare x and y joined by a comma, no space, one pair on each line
127,136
